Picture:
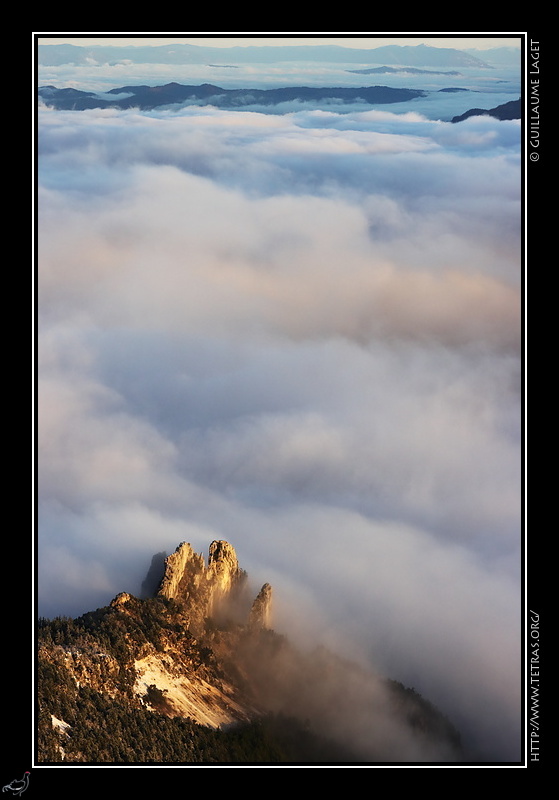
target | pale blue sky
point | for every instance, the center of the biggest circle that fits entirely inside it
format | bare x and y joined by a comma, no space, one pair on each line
347,40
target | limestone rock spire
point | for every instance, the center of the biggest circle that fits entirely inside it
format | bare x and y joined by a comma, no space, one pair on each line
223,567
184,572
261,611
216,590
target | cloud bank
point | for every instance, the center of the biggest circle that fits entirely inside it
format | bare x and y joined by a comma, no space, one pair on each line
300,333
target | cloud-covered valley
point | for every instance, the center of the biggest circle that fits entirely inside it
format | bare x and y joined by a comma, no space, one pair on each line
300,333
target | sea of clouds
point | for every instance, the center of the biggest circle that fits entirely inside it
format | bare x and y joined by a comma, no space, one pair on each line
301,333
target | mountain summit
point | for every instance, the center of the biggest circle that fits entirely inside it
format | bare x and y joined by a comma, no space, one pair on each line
195,674
216,590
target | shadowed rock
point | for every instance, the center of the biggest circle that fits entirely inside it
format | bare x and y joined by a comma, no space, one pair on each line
154,576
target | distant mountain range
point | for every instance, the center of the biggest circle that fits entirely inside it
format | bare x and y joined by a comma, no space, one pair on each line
384,70
149,97
409,55
498,56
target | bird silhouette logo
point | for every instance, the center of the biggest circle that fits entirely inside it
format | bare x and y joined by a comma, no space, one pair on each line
17,787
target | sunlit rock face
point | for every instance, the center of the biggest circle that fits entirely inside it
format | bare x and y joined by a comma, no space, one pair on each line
223,573
216,589
185,574
121,599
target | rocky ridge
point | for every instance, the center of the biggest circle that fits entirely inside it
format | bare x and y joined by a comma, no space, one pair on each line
200,651
506,111
200,591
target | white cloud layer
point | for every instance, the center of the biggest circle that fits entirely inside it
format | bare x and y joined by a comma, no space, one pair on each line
299,333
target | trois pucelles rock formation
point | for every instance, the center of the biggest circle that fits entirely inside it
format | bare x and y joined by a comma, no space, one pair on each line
213,601
215,590
191,670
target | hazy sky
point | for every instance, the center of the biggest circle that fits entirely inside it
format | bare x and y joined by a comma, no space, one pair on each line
346,40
